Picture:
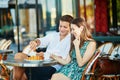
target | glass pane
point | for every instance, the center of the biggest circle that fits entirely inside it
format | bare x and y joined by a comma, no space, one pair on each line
6,24
90,13
27,22
114,25
87,11
48,15
118,15
67,7
51,13
110,14
82,8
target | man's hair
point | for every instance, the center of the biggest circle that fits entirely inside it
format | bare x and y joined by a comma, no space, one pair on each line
67,18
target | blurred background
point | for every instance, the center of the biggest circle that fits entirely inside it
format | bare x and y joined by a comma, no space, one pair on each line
24,20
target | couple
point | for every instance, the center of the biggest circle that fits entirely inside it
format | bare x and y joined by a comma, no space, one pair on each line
73,51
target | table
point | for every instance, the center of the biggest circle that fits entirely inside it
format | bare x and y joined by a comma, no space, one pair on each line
4,53
25,63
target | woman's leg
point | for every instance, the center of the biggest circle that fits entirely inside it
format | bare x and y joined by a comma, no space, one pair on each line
59,76
24,77
18,73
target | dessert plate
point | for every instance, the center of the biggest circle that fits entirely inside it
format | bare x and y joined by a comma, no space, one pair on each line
48,61
33,60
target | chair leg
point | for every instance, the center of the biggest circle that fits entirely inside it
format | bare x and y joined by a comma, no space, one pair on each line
11,75
117,78
99,78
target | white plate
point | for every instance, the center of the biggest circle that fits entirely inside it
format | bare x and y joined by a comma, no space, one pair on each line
33,60
48,60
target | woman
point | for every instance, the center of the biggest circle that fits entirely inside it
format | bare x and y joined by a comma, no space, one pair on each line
83,47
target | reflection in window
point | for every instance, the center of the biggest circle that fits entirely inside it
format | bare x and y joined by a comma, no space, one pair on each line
51,13
87,12
118,12
67,7
114,16
118,16
48,15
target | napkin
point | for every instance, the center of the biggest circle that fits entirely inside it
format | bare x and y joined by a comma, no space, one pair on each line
27,50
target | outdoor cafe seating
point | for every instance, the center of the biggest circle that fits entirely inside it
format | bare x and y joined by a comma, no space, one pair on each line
103,67
99,63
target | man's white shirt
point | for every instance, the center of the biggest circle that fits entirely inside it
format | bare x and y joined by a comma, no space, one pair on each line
55,46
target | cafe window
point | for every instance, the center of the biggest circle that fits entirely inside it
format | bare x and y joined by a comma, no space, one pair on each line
67,7
87,12
114,16
46,17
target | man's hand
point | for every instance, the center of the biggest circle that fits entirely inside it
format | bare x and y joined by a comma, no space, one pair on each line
20,56
33,45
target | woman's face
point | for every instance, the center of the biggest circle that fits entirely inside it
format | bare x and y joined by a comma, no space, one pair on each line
76,31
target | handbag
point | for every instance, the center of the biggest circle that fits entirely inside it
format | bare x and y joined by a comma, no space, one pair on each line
106,66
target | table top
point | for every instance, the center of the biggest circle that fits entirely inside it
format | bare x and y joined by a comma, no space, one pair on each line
25,63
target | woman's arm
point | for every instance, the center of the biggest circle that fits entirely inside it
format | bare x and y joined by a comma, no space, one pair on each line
87,55
60,59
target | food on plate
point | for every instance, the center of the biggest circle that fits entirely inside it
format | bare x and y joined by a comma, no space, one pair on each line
35,58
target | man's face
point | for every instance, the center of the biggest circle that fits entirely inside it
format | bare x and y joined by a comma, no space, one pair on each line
64,28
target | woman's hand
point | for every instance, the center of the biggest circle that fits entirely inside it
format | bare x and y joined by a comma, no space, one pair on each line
54,56
76,42
60,59
78,32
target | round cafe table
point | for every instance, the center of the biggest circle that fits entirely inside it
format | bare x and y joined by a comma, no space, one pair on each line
26,63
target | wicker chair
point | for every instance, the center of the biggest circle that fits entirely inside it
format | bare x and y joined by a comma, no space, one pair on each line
2,41
4,73
106,48
5,45
93,67
88,73
114,55
115,52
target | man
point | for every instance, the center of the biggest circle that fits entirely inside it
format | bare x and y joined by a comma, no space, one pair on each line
57,43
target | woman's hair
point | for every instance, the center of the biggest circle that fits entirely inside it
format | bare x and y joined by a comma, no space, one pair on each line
85,34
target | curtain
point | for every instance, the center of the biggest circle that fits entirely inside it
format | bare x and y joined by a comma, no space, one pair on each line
101,20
